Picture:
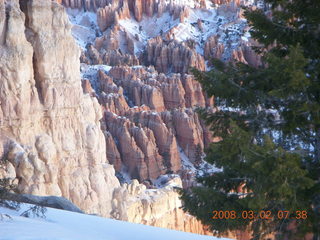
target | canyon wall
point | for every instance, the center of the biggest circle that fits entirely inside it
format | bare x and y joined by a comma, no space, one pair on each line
50,131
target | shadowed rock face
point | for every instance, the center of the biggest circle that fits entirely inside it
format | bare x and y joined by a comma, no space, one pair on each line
172,56
50,130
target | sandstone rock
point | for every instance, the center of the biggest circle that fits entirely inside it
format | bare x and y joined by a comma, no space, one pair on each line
137,148
221,2
57,147
86,87
113,154
194,95
185,12
172,56
172,91
237,56
160,208
246,54
108,50
88,5
212,48
106,16
164,137
188,130
94,56
137,8
139,92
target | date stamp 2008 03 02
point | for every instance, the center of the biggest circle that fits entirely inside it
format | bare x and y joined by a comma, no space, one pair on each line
266,215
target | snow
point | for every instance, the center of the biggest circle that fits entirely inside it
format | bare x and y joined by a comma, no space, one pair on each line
124,175
214,22
91,72
204,167
64,225
164,181
84,26
186,163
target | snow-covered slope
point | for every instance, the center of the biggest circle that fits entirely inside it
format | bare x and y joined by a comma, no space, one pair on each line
63,225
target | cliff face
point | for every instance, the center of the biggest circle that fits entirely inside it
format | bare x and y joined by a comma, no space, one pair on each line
172,56
160,208
50,130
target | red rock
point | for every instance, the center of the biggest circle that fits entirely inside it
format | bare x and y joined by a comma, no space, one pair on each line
212,48
172,56
113,154
137,148
194,94
188,130
164,137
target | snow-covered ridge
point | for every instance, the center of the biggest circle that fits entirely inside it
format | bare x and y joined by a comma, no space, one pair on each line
214,21
64,225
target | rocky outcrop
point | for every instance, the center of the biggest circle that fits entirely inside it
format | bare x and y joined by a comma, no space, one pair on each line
115,48
108,57
246,54
112,13
137,147
120,9
212,48
111,98
194,95
160,208
172,56
139,92
159,91
188,130
148,141
50,130
113,154
87,5
164,138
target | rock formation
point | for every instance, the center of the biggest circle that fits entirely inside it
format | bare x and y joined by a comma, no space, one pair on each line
188,130
87,5
247,55
172,56
159,91
50,130
160,208
164,138
137,148
108,49
212,48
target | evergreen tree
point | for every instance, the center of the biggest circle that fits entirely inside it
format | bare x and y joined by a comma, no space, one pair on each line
269,121
6,185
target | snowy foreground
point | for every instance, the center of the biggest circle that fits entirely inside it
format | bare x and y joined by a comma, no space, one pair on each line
62,225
